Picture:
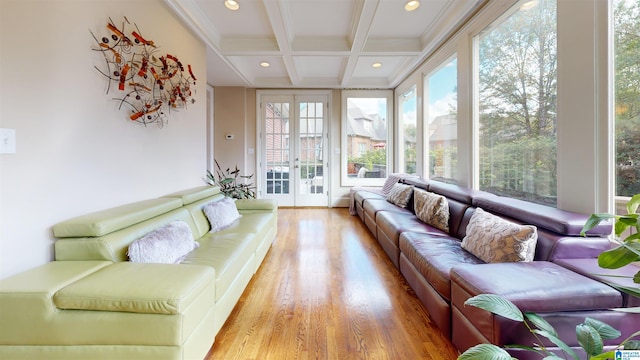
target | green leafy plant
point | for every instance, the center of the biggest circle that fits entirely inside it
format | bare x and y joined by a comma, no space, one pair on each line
628,248
230,184
590,334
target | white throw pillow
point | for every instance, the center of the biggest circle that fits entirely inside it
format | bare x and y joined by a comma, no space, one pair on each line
168,244
221,214
493,239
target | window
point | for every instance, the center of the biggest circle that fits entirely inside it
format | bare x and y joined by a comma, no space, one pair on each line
362,149
517,104
366,139
626,28
408,130
442,122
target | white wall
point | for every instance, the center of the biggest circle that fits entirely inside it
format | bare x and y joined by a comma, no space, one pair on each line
77,153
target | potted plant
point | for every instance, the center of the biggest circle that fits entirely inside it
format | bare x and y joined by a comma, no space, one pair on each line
228,181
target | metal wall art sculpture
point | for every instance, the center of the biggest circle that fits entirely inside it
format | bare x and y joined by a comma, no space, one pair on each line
150,85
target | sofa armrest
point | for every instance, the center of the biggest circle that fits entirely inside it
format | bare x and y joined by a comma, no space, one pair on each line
26,299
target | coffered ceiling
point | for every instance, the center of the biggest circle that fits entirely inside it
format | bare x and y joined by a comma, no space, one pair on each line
318,43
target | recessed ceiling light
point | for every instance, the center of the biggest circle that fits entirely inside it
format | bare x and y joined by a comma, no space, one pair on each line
411,5
231,4
265,64
376,65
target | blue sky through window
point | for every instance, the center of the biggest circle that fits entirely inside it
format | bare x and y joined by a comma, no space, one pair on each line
442,90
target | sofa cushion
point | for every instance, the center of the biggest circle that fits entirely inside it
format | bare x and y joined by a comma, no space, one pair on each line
547,217
150,288
227,253
548,287
432,208
400,194
617,278
493,239
168,244
433,256
192,195
103,222
221,214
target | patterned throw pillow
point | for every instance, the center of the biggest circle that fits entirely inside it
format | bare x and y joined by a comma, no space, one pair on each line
493,239
400,194
432,209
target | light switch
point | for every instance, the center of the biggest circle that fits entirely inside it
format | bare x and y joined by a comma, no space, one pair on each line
7,141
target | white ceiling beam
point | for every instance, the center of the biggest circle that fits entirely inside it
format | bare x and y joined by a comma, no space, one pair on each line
192,16
280,21
359,35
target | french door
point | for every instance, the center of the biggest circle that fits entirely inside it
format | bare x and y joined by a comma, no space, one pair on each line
293,163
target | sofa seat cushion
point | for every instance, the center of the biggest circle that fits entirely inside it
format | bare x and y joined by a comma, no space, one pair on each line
227,254
362,195
251,223
372,207
537,286
433,255
138,288
622,277
392,224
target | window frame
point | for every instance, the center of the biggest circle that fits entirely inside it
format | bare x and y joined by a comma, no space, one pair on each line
440,63
399,156
347,181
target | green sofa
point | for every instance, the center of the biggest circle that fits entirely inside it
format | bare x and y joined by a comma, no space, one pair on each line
92,303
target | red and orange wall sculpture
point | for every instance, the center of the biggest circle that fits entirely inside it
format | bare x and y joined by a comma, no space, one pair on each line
150,82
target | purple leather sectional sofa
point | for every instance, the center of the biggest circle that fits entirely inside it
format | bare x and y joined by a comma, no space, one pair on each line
562,284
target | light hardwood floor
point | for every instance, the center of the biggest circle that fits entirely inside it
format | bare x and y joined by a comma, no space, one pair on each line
327,290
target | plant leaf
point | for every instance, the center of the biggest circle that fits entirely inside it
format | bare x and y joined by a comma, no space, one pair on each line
632,205
621,225
485,352
552,356
632,345
616,257
594,220
589,339
497,305
540,323
554,339
633,310
604,355
605,330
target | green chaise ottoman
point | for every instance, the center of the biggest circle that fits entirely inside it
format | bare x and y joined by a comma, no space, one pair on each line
101,310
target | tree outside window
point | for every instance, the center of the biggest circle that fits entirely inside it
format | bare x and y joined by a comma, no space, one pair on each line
517,93
627,96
